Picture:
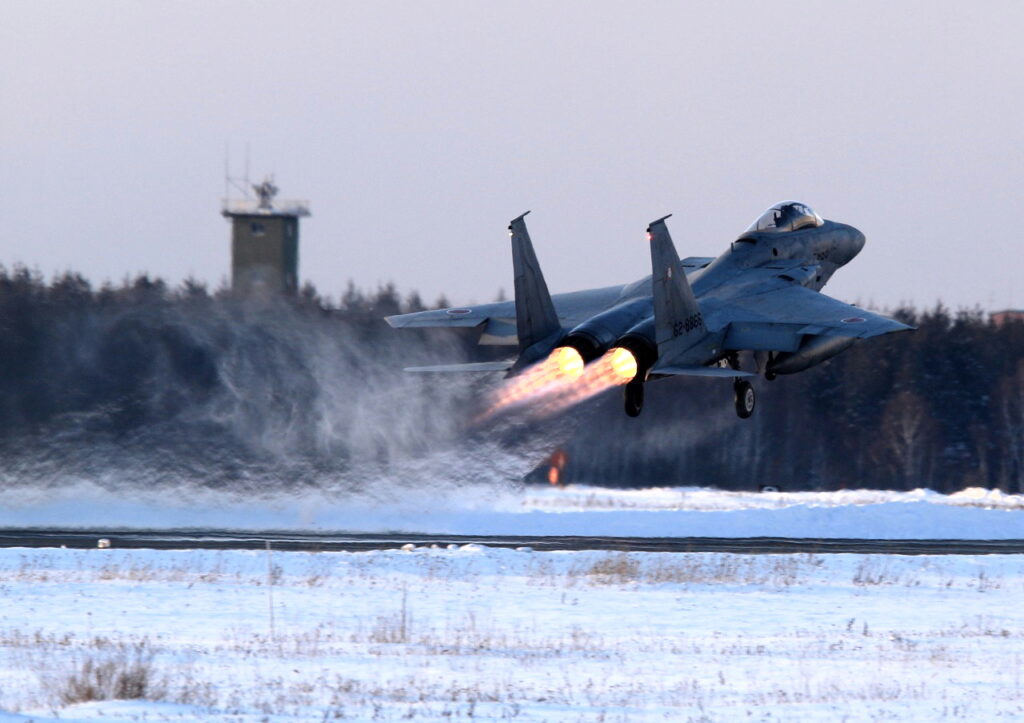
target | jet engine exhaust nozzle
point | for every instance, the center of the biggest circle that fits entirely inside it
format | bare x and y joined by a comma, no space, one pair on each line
642,351
569,360
583,344
599,333
623,364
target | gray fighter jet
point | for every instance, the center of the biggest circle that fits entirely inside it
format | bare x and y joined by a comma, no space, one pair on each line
691,317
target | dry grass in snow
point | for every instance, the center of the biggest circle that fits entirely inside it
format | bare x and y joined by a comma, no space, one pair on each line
502,634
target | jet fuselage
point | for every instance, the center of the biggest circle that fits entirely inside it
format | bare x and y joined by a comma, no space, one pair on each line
690,317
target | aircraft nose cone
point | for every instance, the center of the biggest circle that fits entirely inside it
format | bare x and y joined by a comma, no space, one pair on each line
854,243
858,241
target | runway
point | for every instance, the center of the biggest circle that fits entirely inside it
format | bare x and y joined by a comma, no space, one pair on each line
323,541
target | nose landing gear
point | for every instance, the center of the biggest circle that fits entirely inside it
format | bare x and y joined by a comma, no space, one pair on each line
744,398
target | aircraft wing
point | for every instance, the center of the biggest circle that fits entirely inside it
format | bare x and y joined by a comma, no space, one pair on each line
778,319
497,321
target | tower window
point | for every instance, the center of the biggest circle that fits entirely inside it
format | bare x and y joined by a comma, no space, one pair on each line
258,229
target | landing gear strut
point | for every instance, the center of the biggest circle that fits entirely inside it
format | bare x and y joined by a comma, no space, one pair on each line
744,397
634,398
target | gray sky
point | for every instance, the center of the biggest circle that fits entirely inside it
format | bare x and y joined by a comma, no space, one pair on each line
418,129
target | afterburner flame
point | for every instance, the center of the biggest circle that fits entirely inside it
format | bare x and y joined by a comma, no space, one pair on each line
569,361
561,381
542,379
623,363
616,368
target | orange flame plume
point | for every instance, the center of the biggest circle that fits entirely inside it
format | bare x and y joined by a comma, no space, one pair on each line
561,381
616,368
561,367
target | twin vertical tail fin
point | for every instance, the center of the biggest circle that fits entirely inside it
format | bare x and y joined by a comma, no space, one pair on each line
677,318
537,323
678,322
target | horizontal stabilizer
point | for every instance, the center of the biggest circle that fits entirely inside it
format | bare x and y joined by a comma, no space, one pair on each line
492,366
437,318
671,370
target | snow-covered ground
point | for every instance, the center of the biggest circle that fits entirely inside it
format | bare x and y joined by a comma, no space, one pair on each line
503,634
583,497
495,509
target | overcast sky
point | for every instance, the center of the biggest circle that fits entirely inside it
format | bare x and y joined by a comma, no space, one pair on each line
418,129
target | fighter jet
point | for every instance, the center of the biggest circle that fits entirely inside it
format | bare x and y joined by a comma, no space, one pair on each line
690,317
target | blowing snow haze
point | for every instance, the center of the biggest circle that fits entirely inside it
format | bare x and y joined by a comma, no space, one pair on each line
418,129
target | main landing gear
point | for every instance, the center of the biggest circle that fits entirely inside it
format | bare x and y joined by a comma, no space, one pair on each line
744,397
743,391
634,398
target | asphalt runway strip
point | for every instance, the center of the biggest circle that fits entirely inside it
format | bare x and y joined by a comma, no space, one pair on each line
317,541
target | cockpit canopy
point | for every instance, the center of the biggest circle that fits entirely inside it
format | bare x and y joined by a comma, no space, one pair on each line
786,216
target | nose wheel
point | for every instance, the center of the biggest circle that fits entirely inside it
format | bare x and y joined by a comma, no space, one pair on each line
745,398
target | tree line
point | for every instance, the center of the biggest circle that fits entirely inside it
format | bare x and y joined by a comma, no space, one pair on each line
185,375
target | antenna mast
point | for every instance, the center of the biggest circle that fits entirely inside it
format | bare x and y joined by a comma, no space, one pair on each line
240,185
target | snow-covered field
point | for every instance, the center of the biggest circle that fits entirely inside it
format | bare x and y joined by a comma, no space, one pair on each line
436,634
496,634
495,509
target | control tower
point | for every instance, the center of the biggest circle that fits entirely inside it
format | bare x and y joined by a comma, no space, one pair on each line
264,241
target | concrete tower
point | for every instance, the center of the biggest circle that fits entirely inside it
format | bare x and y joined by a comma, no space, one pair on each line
265,241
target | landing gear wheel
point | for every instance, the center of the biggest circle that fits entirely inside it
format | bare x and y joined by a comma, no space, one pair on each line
634,395
745,398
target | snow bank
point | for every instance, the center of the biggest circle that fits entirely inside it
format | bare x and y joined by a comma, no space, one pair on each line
574,510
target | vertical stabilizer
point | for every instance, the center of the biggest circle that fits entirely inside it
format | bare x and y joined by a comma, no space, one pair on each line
536,320
677,319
